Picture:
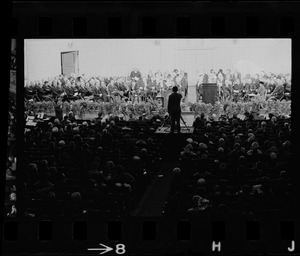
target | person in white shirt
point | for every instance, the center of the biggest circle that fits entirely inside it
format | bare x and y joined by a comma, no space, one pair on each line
212,78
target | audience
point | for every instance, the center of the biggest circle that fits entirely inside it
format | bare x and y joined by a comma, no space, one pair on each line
231,164
98,162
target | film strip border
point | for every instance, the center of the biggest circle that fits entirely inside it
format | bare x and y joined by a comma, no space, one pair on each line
190,19
154,236
159,19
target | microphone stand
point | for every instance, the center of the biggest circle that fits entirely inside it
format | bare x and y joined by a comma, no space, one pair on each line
186,127
166,119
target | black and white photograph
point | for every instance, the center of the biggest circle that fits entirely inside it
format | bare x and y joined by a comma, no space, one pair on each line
157,127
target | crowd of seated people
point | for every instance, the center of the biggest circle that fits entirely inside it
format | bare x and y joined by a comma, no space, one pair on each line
88,168
239,167
244,86
135,86
10,186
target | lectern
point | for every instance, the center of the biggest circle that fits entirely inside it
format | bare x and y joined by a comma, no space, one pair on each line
209,93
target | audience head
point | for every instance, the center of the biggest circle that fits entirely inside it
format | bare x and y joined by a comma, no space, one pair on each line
196,200
149,141
202,145
286,145
61,143
263,124
110,164
136,159
176,171
221,141
273,156
144,152
201,182
50,196
242,160
237,146
220,150
76,196
204,157
255,145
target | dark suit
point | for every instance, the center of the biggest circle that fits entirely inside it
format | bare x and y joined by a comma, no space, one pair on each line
174,110
184,84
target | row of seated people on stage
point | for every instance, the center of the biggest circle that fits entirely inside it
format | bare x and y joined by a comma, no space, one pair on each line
238,86
133,86
233,166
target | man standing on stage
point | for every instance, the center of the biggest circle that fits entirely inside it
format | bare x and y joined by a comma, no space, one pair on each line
174,109
184,83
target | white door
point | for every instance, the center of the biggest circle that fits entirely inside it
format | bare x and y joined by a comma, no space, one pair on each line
69,63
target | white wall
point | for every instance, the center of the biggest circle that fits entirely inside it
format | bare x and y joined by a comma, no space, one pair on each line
118,57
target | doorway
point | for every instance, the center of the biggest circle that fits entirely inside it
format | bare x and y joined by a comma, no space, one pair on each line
69,63
193,64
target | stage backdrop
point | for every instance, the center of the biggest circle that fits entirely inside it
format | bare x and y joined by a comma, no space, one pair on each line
110,57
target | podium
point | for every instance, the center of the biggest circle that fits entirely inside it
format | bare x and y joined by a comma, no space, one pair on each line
209,93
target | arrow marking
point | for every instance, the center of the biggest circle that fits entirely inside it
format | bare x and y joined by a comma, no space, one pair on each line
105,249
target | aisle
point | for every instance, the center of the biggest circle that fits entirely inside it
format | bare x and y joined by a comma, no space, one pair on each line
153,201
